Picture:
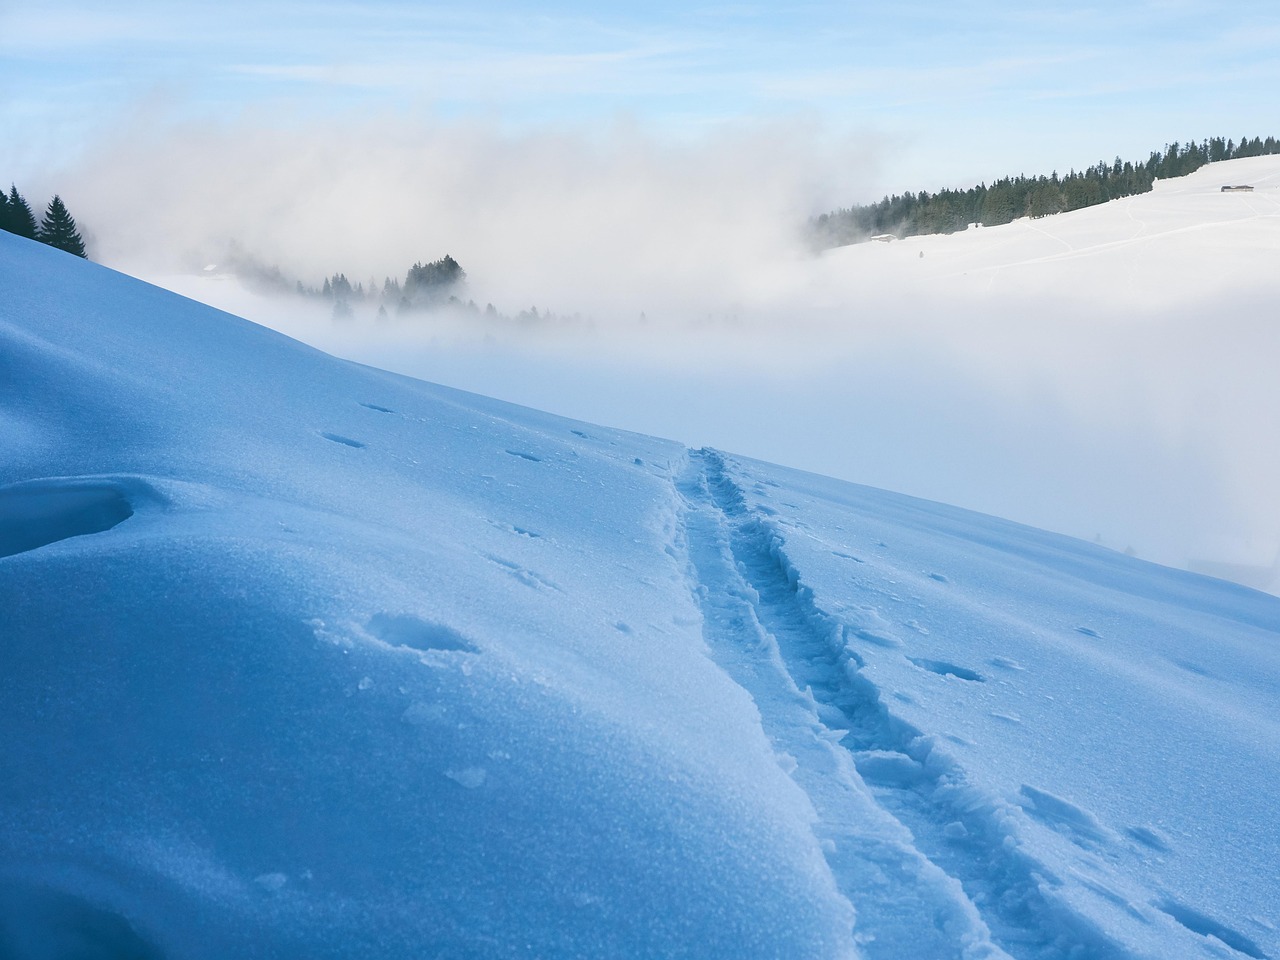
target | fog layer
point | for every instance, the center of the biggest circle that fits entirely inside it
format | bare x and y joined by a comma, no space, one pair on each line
1105,373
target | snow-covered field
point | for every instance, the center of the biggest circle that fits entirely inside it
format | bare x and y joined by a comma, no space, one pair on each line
1107,373
1186,238
303,658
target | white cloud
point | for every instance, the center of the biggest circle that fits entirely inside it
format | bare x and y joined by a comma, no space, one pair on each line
608,224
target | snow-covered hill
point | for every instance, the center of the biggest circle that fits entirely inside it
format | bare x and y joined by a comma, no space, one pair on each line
303,658
1187,238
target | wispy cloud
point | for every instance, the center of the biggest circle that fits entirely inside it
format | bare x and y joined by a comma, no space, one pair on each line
981,77
607,222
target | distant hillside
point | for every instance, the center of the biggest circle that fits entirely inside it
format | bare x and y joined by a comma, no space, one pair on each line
1012,197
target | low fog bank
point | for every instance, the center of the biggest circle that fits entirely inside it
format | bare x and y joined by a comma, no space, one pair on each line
1106,374
610,224
1152,435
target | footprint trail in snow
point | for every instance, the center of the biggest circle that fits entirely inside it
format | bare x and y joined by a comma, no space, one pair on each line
923,857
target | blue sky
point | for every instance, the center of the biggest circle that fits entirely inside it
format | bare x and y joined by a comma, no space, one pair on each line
951,92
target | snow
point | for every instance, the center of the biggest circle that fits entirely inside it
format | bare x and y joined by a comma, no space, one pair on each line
304,658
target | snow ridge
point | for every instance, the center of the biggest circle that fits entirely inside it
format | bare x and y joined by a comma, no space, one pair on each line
952,881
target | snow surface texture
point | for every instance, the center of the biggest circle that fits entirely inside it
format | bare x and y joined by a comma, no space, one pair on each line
302,658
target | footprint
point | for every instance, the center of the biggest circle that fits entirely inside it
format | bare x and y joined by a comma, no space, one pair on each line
944,669
1149,837
1089,632
374,406
525,456
406,630
1111,896
53,923
338,438
42,512
1192,667
1197,922
1064,816
528,577
1006,663
939,577
518,531
872,628
879,639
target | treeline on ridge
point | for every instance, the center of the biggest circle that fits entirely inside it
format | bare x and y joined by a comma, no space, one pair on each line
57,228
949,211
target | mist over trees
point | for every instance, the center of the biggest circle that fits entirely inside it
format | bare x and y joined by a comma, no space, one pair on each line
427,286
1005,200
57,228
437,287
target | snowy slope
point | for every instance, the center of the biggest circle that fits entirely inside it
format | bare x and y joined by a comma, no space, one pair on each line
302,658
1104,373
1184,239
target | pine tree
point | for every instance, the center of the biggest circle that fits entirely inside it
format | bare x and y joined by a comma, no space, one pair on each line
58,229
20,218
428,284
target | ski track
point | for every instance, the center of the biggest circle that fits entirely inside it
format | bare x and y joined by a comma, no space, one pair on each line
930,863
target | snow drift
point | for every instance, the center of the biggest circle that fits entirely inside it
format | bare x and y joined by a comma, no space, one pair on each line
303,658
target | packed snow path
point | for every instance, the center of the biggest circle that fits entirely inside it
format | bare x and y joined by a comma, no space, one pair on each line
879,796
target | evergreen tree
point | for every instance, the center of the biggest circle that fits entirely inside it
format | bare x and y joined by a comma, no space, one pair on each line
429,284
20,219
58,229
340,287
